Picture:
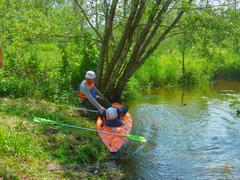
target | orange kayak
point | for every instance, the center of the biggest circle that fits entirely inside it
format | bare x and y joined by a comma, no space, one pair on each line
113,142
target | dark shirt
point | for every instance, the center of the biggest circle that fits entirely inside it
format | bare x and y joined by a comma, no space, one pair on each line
121,111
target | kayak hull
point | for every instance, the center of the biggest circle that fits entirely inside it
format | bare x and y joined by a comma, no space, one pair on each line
113,142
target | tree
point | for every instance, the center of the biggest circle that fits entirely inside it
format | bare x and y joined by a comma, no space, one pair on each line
1,58
124,48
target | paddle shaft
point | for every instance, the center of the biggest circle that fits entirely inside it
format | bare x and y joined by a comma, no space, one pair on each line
72,107
89,129
83,109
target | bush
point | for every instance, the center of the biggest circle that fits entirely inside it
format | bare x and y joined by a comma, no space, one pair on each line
132,91
15,87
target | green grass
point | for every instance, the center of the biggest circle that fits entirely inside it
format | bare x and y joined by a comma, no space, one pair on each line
32,150
236,106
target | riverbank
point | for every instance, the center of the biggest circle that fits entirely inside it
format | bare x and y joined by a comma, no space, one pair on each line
29,150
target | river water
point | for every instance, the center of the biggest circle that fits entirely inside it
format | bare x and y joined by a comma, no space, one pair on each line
191,134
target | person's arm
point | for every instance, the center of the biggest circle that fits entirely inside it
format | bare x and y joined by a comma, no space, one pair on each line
99,92
87,93
101,113
106,103
122,110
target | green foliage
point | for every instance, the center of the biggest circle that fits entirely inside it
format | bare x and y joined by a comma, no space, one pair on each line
20,150
165,70
18,143
133,90
235,104
205,42
47,49
89,54
42,74
44,54
230,67
15,87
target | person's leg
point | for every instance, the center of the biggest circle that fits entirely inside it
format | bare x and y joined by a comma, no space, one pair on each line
101,100
104,101
86,103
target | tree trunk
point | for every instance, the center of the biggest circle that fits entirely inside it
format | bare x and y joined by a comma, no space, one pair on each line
137,61
96,16
122,50
105,42
1,55
142,34
1,58
124,9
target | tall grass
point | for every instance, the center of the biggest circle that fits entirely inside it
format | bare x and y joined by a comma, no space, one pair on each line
27,148
20,150
23,144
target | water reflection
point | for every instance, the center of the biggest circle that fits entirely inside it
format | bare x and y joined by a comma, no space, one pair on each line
192,134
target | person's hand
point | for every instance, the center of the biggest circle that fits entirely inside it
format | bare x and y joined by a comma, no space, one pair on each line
103,108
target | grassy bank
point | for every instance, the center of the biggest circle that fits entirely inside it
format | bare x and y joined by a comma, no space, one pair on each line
29,150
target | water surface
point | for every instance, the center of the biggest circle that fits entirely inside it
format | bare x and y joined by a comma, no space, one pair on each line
191,133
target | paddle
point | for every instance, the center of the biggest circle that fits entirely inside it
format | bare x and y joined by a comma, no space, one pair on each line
84,109
51,122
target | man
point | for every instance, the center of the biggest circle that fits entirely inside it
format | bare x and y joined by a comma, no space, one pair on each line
90,96
112,116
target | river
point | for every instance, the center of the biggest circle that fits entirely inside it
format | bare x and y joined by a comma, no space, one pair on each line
191,134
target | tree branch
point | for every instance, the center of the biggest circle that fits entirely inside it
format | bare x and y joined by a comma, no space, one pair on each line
137,64
142,42
174,34
158,21
87,19
120,67
105,42
154,47
128,31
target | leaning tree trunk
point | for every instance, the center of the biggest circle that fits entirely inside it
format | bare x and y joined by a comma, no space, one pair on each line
142,32
141,51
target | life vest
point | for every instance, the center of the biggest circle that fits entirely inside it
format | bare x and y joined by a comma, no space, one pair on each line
91,88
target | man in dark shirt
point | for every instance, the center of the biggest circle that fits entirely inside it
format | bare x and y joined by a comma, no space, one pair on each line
112,116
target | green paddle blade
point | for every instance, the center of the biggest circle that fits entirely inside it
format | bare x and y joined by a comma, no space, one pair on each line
45,121
136,138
